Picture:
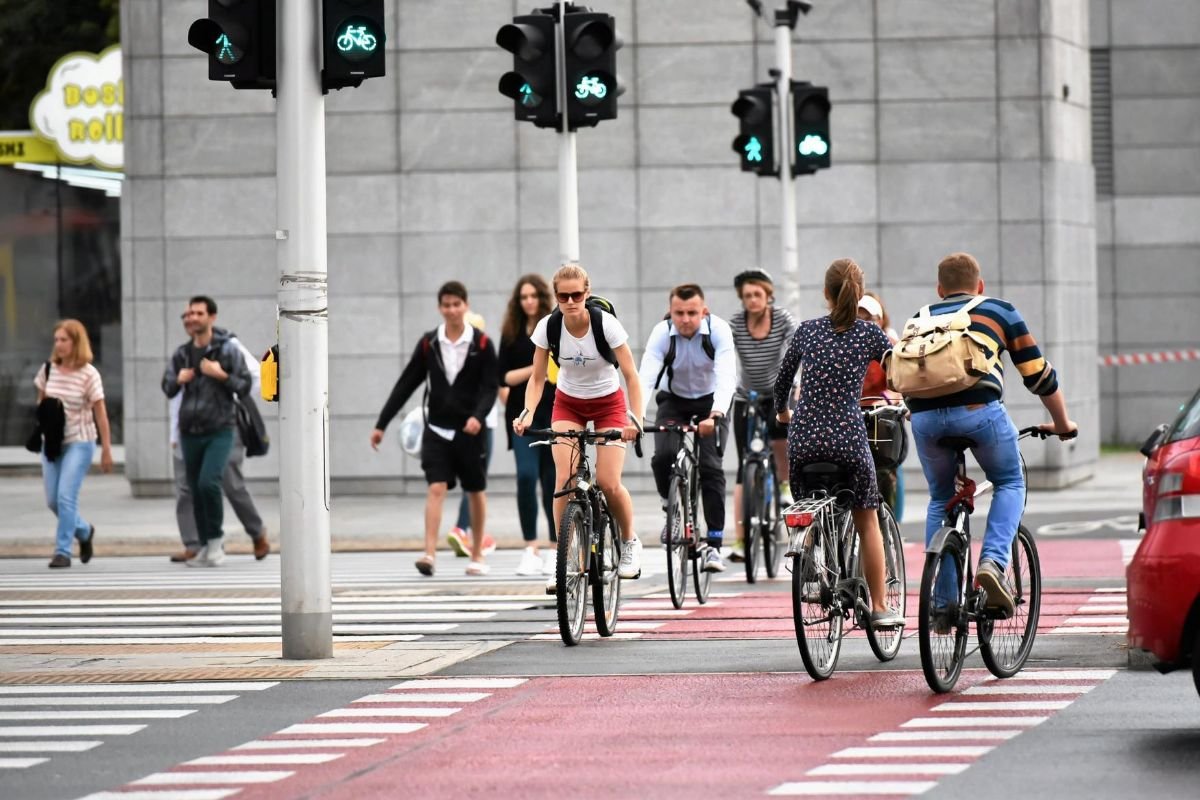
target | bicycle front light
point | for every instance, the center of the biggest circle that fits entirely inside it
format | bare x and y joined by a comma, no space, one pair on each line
756,445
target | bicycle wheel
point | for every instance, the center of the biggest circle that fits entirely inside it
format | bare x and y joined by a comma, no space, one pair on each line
752,528
942,620
1005,644
571,573
885,642
701,579
606,589
774,531
676,545
818,622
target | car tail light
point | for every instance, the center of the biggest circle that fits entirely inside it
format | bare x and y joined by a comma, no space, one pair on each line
1179,491
798,519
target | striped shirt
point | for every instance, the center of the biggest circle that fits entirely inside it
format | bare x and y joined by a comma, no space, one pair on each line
1005,329
79,390
759,359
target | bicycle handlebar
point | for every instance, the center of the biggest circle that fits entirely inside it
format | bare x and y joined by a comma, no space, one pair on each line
692,427
1042,433
586,437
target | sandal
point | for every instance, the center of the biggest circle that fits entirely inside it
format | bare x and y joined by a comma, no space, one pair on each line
425,565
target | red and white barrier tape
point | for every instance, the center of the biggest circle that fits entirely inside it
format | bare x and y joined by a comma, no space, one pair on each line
1131,359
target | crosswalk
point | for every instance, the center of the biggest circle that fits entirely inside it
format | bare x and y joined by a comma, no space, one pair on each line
39,722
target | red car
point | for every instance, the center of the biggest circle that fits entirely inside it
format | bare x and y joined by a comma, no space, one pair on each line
1164,575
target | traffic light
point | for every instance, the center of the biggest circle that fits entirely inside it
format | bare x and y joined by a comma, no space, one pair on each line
755,144
811,130
353,42
531,84
239,38
592,42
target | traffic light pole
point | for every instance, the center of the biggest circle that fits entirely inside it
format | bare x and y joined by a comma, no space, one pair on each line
568,167
789,244
301,250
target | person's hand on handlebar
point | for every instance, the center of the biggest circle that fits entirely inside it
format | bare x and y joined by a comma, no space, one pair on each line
521,423
708,426
633,430
1051,429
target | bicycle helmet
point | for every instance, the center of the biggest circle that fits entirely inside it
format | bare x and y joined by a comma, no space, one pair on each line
411,431
752,275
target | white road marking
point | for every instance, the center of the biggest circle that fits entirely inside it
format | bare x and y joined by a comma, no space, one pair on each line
1097,620
119,700
410,637
1063,675
433,697
123,713
183,619
292,744
390,712
48,747
461,683
216,630
942,736
119,688
972,722
177,794
992,688
354,727
888,769
186,778
21,763
1005,705
863,788
70,730
264,759
938,751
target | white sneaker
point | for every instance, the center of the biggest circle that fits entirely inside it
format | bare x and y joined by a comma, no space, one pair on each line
214,554
531,563
713,562
631,560
200,559
550,566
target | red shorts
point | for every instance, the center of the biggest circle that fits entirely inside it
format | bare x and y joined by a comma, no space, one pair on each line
606,412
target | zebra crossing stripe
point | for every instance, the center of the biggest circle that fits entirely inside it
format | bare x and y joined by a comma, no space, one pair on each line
148,713
177,794
200,778
379,637
292,744
265,759
457,683
390,712
118,700
21,763
70,730
81,746
865,788
120,688
887,769
377,728
432,697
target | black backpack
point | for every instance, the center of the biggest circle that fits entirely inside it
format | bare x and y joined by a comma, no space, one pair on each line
594,305
669,359
251,428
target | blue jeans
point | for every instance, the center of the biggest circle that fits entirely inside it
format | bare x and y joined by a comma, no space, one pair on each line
535,465
62,478
997,453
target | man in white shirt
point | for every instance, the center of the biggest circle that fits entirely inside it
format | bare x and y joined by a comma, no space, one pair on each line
690,366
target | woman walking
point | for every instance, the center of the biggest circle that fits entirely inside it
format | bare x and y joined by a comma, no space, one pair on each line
530,302
70,377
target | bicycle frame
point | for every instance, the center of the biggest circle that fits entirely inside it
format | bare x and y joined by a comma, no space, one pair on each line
822,511
580,487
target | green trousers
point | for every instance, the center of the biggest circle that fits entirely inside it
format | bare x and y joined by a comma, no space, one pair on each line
205,457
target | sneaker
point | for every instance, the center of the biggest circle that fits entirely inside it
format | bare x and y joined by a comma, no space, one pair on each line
184,555
531,563
85,546
631,560
550,565
737,553
460,542
198,559
478,568
713,561
59,561
214,555
489,543
886,619
990,578
262,545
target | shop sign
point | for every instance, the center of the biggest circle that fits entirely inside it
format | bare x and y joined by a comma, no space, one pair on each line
82,111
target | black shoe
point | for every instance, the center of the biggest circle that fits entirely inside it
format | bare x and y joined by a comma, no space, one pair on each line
85,546
59,561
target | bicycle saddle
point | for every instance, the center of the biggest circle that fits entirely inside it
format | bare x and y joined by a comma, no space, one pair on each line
823,475
958,444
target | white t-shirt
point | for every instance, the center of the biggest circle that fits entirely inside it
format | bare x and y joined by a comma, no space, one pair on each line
582,373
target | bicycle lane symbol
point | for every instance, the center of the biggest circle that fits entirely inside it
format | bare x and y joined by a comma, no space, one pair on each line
1123,524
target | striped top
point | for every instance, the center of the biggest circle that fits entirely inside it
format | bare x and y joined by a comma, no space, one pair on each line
759,359
79,390
1004,327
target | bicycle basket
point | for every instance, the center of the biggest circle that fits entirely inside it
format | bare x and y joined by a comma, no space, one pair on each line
888,440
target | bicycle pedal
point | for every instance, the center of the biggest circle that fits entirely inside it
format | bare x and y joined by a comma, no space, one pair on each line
634,578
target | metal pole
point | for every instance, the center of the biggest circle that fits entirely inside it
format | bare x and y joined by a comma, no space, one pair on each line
789,246
305,583
568,169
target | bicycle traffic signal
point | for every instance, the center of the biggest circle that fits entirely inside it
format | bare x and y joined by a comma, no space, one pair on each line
810,110
592,43
239,38
353,42
755,143
531,84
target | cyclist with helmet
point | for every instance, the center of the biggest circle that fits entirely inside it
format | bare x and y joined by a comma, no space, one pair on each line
761,332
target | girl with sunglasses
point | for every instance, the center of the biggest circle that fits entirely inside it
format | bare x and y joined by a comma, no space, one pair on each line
589,390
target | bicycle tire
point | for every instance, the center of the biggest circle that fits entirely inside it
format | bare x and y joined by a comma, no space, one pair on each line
885,643
1005,644
606,587
676,545
774,533
570,594
701,578
752,543
943,630
818,627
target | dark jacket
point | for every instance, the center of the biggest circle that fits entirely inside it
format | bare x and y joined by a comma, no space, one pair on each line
472,394
208,404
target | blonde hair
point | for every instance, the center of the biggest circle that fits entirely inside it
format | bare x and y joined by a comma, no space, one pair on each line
81,346
844,286
572,272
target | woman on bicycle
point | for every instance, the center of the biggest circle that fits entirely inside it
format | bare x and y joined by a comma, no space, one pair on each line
834,351
589,390
761,332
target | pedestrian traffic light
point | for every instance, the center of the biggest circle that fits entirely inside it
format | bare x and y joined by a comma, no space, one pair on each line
531,84
755,144
810,109
353,42
592,42
239,38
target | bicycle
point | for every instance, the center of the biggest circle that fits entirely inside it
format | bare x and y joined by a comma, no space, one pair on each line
1005,640
356,38
589,543
828,583
680,536
762,502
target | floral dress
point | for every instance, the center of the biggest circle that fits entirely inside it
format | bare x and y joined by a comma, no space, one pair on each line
827,424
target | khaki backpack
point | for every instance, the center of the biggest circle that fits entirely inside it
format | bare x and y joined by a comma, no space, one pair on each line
939,355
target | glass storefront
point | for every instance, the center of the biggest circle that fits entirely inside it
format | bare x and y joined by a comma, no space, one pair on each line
59,258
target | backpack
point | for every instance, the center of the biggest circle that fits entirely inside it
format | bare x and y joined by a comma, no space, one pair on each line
939,355
250,426
669,359
594,306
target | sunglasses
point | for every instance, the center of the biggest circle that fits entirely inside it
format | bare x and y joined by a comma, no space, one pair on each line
574,297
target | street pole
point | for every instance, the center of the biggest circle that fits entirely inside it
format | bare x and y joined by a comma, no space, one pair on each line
305,582
568,169
789,245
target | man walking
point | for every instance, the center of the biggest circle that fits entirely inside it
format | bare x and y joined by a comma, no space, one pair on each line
208,370
232,481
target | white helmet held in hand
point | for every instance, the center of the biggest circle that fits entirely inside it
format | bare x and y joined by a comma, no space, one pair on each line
411,430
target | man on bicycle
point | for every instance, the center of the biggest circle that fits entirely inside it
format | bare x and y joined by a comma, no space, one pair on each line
978,413
691,365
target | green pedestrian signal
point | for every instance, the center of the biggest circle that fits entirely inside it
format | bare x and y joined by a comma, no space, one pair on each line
755,142
753,149
226,52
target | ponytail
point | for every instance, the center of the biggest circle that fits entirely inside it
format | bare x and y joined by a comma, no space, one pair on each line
844,287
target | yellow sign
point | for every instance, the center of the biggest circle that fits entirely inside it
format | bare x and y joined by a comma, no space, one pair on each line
82,110
24,146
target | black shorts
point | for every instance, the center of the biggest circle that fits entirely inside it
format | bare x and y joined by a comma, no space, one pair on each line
463,459
775,430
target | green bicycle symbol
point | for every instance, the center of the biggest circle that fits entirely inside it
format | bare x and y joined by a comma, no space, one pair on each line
356,39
